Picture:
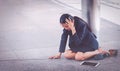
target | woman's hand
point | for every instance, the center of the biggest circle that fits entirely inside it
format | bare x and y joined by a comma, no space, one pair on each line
57,56
71,25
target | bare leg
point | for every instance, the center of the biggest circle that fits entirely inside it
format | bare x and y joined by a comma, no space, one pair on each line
102,51
86,55
111,52
69,54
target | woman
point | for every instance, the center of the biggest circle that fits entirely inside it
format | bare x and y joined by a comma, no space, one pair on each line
82,42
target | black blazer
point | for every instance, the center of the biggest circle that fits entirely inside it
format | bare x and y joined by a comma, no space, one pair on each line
82,38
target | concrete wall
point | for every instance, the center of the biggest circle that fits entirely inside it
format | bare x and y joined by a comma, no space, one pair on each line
110,10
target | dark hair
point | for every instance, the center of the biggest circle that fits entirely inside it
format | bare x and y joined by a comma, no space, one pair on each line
67,16
82,21
64,17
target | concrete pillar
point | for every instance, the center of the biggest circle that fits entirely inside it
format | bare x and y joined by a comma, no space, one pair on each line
90,13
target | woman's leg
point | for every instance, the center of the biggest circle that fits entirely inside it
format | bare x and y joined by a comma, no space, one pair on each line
102,51
111,52
69,54
86,55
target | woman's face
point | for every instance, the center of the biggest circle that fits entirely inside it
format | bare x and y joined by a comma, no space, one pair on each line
65,26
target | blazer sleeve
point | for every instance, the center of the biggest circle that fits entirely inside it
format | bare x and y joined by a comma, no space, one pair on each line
63,41
79,36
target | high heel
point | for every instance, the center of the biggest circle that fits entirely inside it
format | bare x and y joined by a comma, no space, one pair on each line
113,52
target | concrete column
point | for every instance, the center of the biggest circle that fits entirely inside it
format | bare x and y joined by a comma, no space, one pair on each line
90,13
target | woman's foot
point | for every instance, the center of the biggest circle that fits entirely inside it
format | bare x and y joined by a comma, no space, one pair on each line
111,52
103,54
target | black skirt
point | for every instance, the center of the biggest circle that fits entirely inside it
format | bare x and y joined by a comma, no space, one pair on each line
90,46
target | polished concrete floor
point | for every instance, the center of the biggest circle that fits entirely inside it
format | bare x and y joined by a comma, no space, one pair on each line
30,32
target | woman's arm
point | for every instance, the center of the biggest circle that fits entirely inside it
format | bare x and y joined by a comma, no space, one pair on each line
63,41
77,37
62,45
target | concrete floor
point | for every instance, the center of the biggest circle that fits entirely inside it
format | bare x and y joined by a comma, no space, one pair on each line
30,32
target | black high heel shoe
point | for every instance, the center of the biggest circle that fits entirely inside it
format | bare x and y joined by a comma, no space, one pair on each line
113,52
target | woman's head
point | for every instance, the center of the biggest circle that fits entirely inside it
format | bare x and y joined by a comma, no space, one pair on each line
63,20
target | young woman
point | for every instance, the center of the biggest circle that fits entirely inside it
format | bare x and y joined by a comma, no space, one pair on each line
82,42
